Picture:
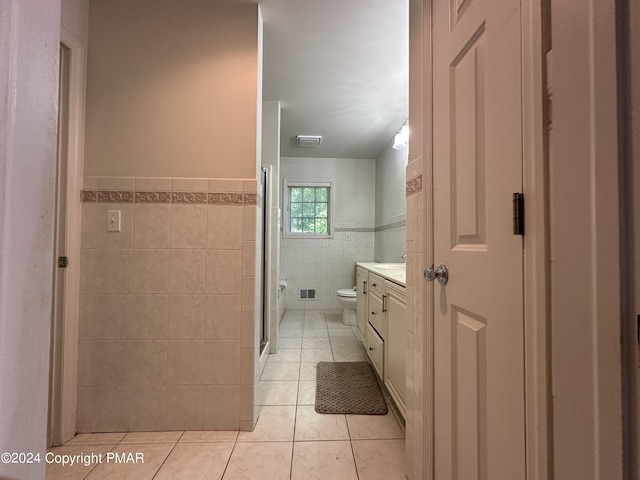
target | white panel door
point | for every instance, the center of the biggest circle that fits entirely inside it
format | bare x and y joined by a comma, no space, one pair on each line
478,320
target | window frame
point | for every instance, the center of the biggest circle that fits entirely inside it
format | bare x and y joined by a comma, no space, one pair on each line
286,230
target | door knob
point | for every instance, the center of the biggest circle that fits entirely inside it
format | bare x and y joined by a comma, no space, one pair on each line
440,272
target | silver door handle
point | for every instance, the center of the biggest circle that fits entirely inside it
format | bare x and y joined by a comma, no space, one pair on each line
440,272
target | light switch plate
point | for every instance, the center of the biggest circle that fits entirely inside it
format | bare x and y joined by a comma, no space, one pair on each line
114,220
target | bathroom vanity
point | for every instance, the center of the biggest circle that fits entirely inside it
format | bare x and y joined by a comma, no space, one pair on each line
380,313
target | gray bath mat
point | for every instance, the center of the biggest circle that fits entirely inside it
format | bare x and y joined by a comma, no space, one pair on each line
348,387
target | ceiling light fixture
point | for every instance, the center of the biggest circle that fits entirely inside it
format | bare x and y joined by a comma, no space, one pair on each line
309,141
401,140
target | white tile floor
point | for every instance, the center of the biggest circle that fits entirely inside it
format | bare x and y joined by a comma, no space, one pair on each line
290,442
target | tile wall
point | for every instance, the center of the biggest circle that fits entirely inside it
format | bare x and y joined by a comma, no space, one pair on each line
390,239
167,323
324,264
417,331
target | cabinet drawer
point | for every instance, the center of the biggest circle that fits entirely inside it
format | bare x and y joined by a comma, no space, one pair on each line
376,284
376,315
375,349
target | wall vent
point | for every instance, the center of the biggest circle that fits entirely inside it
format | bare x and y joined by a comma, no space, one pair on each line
309,141
307,294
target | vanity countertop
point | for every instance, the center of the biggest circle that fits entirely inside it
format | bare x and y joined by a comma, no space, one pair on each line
396,272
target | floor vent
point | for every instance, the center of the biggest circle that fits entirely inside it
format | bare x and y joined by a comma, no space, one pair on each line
309,294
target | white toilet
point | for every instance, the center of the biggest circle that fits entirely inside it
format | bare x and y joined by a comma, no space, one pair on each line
347,298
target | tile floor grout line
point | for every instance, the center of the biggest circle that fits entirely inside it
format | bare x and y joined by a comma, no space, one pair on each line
291,462
353,452
295,420
164,461
226,466
96,465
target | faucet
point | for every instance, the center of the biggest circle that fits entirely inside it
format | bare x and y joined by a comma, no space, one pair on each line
404,257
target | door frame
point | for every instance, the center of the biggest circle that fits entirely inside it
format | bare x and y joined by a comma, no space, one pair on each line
535,255
632,207
65,367
587,243
536,241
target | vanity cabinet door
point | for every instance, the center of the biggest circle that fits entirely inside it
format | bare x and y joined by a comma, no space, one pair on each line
395,340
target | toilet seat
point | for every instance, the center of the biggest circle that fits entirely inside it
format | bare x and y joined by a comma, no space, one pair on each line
347,292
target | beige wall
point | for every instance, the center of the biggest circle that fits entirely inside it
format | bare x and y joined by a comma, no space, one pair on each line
168,316
172,89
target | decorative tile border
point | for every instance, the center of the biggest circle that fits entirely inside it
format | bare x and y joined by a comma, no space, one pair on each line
414,185
153,197
252,199
189,198
186,198
354,229
227,198
88,196
115,196
389,226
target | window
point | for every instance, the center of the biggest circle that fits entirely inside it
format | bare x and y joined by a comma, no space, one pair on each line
308,209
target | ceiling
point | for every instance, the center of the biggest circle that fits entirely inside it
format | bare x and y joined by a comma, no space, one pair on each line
339,69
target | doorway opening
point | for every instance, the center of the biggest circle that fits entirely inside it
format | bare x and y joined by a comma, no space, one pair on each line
63,365
59,270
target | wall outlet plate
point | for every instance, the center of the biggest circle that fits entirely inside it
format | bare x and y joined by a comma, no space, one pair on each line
114,220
